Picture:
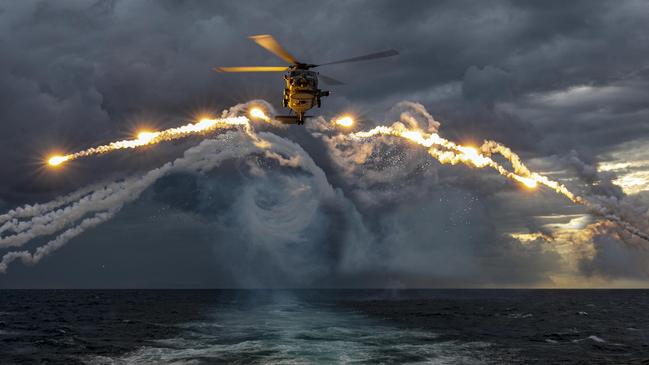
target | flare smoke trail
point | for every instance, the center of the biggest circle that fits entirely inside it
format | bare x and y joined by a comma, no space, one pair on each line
148,138
448,152
469,155
109,199
74,213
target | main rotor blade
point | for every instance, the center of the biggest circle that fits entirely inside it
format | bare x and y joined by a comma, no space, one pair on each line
252,69
330,80
267,41
370,56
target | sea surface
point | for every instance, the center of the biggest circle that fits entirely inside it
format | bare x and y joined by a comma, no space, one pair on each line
324,327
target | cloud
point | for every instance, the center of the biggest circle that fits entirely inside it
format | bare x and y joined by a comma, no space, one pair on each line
545,81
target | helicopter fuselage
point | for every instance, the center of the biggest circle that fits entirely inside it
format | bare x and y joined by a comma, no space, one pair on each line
301,92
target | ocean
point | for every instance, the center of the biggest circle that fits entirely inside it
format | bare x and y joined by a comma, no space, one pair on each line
324,326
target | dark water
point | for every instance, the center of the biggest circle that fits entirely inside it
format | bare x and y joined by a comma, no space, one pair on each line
312,327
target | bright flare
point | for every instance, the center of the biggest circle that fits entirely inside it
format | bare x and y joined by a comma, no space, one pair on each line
259,114
448,152
147,138
529,183
345,121
57,160
445,151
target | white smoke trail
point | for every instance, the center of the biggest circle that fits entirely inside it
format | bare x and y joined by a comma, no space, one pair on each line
11,220
354,149
56,219
31,259
27,211
613,207
110,198
70,214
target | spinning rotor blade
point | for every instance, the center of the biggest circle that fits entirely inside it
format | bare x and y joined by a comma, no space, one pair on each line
252,69
267,41
330,80
370,56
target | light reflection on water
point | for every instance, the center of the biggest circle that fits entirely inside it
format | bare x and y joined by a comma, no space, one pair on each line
288,330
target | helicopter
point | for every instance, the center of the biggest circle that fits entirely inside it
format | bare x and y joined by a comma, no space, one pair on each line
301,92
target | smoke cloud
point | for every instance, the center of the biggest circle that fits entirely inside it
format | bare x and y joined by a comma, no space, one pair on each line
105,200
300,228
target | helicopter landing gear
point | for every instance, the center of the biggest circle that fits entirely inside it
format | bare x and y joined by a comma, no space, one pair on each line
320,95
285,98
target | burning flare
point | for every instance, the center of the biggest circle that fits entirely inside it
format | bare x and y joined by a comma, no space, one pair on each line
447,152
345,121
147,138
258,113
443,150
72,214
57,160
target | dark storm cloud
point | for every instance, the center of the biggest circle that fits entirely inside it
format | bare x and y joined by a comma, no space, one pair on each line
545,78
613,260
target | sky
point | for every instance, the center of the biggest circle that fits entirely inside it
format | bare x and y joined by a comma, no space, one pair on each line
563,84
